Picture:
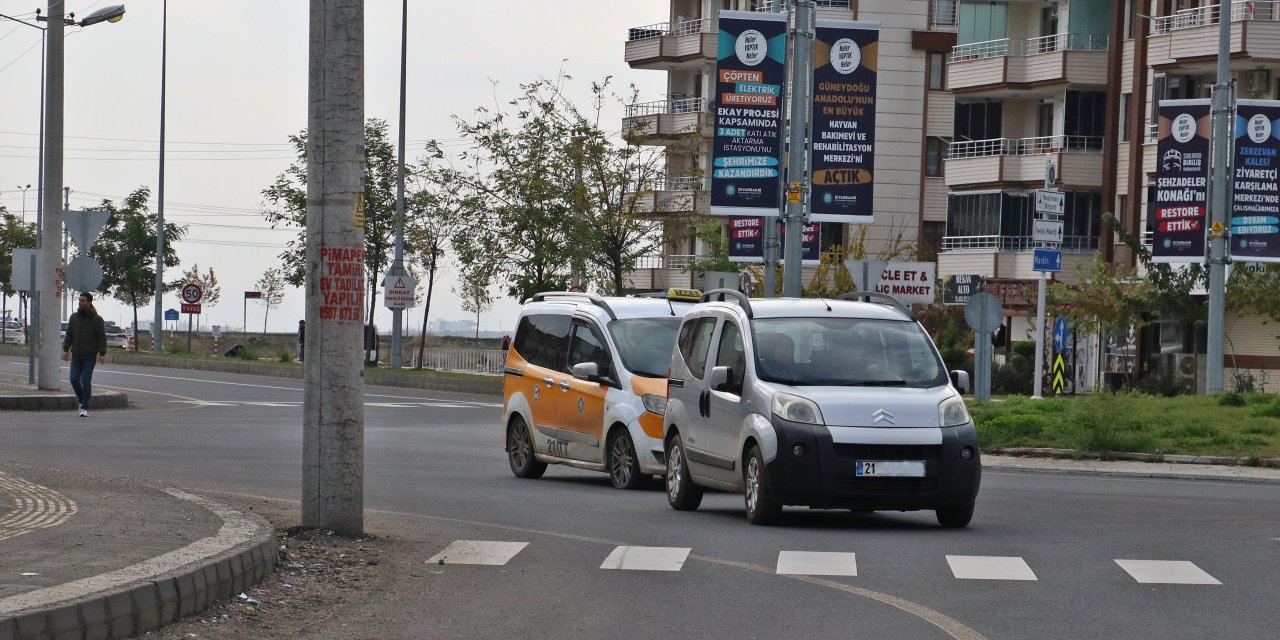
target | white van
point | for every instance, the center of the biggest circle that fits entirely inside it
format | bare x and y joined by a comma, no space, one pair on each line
820,403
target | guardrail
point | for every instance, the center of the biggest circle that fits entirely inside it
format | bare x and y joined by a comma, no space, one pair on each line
489,361
1023,146
1030,47
986,244
666,107
1268,10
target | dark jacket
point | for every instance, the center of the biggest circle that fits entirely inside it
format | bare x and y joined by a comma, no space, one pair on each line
86,335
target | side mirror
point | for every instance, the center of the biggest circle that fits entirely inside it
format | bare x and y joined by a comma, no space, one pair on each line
588,371
720,379
960,380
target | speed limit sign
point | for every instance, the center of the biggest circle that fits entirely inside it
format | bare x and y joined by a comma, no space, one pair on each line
191,293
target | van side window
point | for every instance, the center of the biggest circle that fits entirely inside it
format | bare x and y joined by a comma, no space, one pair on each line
588,346
730,354
696,343
542,340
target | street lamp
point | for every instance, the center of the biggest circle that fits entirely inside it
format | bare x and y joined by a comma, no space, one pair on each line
157,317
113,13
24,202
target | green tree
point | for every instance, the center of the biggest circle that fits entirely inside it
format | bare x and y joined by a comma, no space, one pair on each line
474,291
435,214
127,250
286,205
711,233
208,282
271,284
14,234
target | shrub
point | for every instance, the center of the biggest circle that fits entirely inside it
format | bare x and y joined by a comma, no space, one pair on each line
1015,377
1101,424
1231,399
248,354
1025,348
1268,410
285,357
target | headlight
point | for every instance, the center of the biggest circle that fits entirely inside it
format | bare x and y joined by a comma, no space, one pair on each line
796,409
952,412
654,403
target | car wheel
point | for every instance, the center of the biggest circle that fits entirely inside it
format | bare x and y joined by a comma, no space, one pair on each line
956,517
682,493
624,466
520,451
762,508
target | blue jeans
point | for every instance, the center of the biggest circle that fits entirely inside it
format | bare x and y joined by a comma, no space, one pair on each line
82,378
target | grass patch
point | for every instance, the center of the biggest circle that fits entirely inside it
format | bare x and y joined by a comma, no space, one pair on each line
1247,426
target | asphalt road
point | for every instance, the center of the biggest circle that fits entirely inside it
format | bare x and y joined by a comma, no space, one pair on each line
434,461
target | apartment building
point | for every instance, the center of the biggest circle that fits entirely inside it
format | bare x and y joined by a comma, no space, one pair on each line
684,47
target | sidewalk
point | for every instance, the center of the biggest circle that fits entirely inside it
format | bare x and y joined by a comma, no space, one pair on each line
83,555
1217,472
17,395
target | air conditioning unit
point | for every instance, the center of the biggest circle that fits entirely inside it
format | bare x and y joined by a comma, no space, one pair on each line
1257,80
1190,367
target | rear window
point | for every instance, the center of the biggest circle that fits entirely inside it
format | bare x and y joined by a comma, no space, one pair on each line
542,340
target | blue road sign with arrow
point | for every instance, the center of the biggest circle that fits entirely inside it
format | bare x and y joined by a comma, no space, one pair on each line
1060,334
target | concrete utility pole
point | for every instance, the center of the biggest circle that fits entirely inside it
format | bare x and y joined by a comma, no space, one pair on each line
1223,119
333,430
51,223
397,265
157,314
801,70
770,231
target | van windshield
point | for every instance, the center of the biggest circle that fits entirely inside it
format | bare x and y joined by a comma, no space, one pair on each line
645,344
846,352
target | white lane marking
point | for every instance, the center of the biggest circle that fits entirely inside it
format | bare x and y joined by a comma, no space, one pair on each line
1166,572
990,568
34,507
647,558
482,552
816,563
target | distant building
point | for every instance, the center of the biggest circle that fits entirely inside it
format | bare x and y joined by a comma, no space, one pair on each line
453,327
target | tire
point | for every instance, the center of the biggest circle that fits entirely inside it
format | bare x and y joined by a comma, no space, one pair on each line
624,466
682,493
520,451
956,517
762,508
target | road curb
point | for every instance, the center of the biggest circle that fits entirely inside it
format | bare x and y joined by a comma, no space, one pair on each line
149,604
371,377
63,402
1230,461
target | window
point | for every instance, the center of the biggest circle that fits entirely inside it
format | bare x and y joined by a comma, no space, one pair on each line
1044,120
978,120
730,353
587,346
935,151
542,340
1049,20
931,235
846,352
1126,106
695,341
645,344
1130,9
1085,118
937,71
830,234
1122,211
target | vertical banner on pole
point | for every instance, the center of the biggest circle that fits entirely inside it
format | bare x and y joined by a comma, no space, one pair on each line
747,148
1182,181
746,240
1255,200
843,122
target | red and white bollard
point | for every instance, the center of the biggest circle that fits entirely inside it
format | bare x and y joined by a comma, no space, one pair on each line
215,347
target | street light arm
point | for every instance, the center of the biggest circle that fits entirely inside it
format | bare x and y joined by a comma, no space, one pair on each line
22,22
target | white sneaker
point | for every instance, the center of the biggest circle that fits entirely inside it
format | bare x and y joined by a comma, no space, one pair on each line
84,413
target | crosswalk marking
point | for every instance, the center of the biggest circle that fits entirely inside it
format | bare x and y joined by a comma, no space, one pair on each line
1166,572
816,563
990,568
647,558
482,552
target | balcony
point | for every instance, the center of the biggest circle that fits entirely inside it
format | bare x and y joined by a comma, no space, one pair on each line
667,121
668,195
667,46
655,273
986,244
1009,257
825,8
1002,161
1078,59
1191,35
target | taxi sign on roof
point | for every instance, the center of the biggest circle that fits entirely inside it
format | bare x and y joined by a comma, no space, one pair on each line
689,295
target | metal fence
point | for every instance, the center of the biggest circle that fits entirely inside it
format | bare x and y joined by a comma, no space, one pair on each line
1029,47
664,107
1204,16
1023,146
489,361
983,244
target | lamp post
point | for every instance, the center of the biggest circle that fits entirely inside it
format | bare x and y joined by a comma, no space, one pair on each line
397,265
158,313
24,198
50,225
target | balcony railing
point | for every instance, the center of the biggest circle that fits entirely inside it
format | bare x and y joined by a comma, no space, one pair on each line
1031,47
767,5
1153,132
667,262
682,28
1268,10
1023,146
666,107
944,13
987,244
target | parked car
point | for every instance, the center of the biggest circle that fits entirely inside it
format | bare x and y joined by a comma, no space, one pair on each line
116,336
820,403
12,332
586,384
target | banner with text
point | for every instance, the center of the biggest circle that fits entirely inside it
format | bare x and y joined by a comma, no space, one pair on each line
747,149
1255,200
843,121
1182,181
746,240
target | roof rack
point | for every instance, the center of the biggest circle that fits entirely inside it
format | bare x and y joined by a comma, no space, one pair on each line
593,298
883,297
741,298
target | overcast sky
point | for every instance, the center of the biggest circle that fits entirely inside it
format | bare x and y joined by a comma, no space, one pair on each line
237,83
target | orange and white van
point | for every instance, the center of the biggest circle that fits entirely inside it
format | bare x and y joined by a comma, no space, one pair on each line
586,383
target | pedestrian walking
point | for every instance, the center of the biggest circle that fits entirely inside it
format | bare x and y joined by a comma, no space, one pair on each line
506,344
84,346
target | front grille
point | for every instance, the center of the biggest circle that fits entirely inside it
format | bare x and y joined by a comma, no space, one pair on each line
847,454
928,452
847,482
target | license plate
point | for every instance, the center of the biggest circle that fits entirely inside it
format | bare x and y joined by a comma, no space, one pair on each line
890,468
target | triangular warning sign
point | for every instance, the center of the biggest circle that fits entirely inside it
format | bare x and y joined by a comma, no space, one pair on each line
399,283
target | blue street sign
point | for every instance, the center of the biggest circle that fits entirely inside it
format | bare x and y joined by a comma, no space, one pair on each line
1047,260
1060,334
170,314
